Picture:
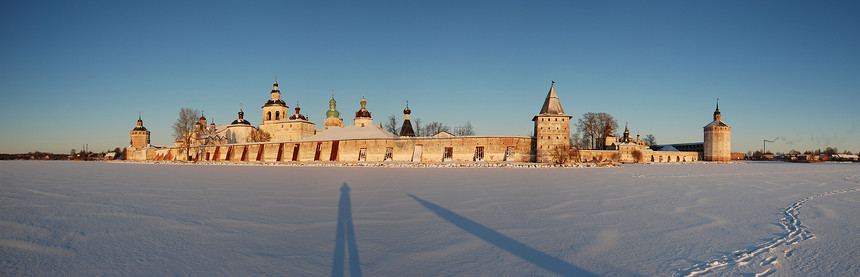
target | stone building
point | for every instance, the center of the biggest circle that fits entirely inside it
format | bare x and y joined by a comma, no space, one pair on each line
139,135
294,138
718,139
552,129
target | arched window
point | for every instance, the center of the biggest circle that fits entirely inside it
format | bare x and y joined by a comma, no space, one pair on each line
278,115
269,116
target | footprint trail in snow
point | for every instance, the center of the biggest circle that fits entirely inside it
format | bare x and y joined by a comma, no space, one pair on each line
795,232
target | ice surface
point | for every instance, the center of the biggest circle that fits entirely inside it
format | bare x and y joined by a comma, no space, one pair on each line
758,219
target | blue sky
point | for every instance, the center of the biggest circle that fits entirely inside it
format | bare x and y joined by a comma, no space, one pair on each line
79,72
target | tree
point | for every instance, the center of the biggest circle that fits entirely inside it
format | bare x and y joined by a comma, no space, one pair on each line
829,151
417,123
258,135
596,125
465,130
650,140
560,155
637,156
390,124
184,127
436,127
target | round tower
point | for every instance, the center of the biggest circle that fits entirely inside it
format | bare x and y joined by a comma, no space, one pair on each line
552,130
718,139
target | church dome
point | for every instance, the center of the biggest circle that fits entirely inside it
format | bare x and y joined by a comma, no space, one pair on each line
241,120
363,112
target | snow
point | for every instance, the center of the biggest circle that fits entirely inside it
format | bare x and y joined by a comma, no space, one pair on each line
757,219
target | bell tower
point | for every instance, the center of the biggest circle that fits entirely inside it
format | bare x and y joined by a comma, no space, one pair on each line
275,109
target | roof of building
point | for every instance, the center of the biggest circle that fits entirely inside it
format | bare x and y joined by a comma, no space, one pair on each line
297,115
363,112
241,120
351,132
552,106
443,134
406,130
717,123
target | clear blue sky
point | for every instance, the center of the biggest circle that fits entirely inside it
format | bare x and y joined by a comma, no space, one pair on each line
78,72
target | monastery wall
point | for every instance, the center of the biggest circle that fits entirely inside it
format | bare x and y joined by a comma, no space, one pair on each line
627,156
433,149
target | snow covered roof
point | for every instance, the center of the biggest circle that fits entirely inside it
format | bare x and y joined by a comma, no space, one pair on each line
669,148
351,132
717,123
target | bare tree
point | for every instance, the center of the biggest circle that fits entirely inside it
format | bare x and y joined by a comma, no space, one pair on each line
650,140
596,125
258,135
436,127
560,155
466,129
183,129
390,124
417,123
637,156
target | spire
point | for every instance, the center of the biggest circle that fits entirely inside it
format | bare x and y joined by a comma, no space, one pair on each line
406,130
717,115
552,105
363,103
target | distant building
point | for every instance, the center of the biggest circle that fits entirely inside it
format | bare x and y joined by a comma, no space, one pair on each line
718,139
295,138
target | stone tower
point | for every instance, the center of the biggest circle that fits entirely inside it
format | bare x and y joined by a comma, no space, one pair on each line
139,135
406,130
332,116
362,116
718,139
552,130
275,109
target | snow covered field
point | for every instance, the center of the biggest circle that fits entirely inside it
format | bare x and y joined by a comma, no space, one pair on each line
91,218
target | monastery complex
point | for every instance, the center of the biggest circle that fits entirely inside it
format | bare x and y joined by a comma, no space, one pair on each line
295,139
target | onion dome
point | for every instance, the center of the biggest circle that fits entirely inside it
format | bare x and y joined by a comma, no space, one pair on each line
363,112
407,111
139,126
297,115
332,108
276,97
241,119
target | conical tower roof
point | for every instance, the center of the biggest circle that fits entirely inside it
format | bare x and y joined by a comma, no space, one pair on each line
552,106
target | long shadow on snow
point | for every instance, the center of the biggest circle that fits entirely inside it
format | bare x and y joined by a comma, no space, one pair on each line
506,243
345,231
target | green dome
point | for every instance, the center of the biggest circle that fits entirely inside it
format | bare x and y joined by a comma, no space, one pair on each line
332,111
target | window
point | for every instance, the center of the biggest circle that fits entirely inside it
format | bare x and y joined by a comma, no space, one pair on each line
269,116
448,155
277,115
362,154
479,153
388,153
509,153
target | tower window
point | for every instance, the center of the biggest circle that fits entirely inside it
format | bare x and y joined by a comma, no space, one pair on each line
269,117
277,115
